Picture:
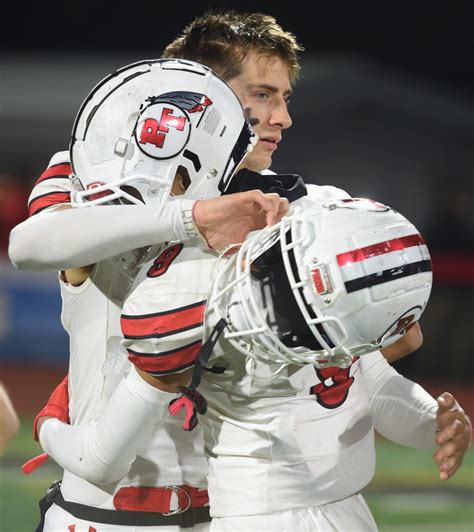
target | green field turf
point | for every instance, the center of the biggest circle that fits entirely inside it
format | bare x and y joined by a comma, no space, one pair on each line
407,495
404,496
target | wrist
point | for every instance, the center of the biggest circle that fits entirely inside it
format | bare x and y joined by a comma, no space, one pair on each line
187,213
189,221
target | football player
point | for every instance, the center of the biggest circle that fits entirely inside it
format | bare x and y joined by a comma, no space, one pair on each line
91,235
304,439
149,130
291,449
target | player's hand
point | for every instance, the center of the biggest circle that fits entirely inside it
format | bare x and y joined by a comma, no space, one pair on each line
227,220
453,437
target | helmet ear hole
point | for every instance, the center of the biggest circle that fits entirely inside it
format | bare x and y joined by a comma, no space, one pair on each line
292,340
184,174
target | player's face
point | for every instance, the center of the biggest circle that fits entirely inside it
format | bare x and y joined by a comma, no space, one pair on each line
263,88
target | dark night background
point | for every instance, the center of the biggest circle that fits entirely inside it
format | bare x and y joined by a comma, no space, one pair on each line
432,40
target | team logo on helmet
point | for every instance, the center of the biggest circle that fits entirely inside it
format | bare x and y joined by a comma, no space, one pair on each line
163,128
402,324
162,131
192,102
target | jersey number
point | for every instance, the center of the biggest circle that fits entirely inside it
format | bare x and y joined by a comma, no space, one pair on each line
332,391
163,261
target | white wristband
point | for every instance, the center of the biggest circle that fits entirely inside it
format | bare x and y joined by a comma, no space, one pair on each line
188,220
189,224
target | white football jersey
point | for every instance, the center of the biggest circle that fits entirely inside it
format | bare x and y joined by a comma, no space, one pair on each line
96,362
298,439
284,442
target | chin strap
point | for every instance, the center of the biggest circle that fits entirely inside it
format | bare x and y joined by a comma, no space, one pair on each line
190,399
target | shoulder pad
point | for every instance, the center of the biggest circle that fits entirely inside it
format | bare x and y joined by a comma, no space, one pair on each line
61,157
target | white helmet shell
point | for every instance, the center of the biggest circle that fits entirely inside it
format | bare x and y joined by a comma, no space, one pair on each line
142,123
330,282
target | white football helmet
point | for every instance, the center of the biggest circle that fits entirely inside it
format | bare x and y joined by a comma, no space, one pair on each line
142,123
329,282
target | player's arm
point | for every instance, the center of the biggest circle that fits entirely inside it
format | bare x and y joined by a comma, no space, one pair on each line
163,327
405,413
60,238
104,451
164,359
162,332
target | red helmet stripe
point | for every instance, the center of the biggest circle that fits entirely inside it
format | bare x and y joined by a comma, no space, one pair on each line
380,248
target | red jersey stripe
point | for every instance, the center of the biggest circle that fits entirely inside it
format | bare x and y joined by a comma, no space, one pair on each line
380,248
168,361
46,200
58,170
163,323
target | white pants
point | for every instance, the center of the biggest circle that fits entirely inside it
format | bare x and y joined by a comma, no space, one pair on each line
58,520
349,515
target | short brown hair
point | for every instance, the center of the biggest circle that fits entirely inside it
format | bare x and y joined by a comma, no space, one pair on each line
221,41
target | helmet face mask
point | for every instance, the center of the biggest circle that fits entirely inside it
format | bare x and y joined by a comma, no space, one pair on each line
142,124
326,284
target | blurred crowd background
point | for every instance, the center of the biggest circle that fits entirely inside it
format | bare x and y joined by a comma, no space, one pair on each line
384,110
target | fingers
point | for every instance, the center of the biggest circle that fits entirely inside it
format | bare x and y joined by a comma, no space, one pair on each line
273,205
450,431
454,435
449,459
271,213
280,208
451,419
448,468
283,207
227,220
450,440
231,249
447,402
